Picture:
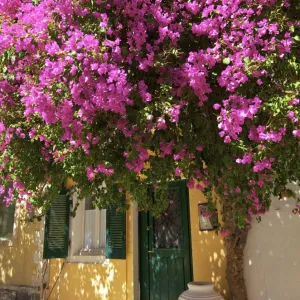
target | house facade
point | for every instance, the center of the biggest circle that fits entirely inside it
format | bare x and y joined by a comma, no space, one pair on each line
105,254
109,255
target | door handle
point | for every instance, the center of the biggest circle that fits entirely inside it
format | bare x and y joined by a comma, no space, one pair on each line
150,252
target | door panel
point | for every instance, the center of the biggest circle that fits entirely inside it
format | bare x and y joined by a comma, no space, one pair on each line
165,261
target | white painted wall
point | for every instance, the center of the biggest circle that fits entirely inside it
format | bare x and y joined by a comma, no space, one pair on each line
272,254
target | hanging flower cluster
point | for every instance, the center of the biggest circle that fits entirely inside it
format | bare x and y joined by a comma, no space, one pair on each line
133,92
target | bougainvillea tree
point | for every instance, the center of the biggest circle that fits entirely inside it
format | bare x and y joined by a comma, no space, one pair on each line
140,92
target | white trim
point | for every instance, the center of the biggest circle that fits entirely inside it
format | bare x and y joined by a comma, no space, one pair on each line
92,252
99,259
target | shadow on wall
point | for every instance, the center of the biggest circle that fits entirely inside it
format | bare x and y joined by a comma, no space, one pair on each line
20,262
208,250
87,281
271,256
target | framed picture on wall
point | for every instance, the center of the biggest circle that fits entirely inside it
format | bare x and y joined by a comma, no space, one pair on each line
207,220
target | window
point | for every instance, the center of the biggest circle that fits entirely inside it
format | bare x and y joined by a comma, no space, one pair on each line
7,216
90,237
88,230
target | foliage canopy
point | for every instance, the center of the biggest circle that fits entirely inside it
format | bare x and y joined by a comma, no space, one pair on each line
141,92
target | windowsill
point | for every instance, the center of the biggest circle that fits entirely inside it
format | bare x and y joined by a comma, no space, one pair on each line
92,252
101,259
90,256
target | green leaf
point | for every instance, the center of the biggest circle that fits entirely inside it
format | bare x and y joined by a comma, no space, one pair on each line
246,60
226,61
297,38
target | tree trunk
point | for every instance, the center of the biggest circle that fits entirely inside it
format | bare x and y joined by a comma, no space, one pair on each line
235,243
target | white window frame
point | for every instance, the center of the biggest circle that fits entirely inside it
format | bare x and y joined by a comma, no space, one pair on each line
77,253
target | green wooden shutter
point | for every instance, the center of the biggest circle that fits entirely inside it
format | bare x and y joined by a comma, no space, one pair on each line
56,240
115,233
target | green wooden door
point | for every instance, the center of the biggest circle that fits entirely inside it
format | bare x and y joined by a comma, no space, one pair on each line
165,254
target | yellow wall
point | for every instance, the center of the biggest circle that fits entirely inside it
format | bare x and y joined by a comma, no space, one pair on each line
17,265
207,248
78,281
88,281
112,280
